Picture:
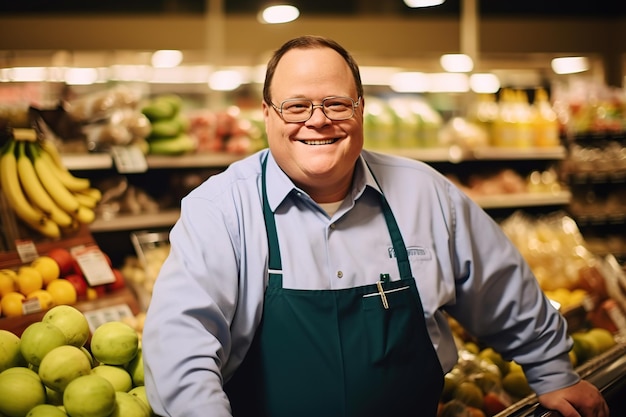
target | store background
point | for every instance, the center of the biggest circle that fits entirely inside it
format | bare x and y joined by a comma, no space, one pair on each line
584,177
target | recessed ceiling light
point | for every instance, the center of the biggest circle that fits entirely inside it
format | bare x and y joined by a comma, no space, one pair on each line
280,13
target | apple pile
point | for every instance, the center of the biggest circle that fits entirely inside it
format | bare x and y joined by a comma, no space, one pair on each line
54,278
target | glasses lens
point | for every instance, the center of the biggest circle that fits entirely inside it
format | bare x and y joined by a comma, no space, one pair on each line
338,108
296,110
299,110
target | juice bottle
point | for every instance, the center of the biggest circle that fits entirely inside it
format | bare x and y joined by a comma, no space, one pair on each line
545,123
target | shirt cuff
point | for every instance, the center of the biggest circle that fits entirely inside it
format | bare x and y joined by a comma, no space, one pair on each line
552,375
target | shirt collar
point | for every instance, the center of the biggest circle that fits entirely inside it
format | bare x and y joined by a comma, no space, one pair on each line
279,185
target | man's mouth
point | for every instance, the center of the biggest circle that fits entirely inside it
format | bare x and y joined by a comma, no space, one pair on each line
319,142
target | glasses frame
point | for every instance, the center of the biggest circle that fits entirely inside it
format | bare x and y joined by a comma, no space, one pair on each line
279,109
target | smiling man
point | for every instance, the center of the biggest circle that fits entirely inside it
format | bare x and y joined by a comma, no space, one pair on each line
312,278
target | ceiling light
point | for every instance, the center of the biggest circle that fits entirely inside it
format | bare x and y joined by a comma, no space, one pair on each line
166,58
281,13
81,76
423,3
445,82
570,65
226,80
484,83
409,82
456,62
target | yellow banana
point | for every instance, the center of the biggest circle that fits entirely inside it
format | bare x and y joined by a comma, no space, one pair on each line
86,200
85,215
59,193
35,191
70,181
12,189
92,192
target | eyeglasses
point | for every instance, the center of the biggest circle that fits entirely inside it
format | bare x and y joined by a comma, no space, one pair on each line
298,110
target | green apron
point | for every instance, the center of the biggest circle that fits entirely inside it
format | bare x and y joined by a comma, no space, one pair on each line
360,352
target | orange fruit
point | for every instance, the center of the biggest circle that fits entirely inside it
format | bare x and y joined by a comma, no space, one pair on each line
48,267
46,301
92,294
7,284
11,304
62,291
28,279
9,272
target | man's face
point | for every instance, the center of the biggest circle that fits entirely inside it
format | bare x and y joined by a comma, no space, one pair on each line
318,155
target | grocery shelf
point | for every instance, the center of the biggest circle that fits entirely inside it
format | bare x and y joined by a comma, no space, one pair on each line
97,161
164,218
523,200
167,218
458,154
103,161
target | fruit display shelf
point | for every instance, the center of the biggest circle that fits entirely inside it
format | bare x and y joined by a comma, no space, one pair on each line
606,371
112,306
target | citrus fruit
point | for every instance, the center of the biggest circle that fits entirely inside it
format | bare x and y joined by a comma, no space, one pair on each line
47,267
469,394
582,347
71,321
135,368
602,338
20,392
7,284
63,292
28,279
45,298
493,356
516,384
38,339
9,272
46,410
140,392
116,375
62,365
11,304
114,343
128,405
10,353
89,395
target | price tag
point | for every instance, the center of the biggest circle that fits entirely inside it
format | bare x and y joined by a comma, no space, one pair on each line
94,265
31,305
129,159
26,250
95,318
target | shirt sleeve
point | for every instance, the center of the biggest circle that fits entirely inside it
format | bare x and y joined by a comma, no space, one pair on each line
194,320
499,300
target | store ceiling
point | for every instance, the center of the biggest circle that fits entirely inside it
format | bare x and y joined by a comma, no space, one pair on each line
500,8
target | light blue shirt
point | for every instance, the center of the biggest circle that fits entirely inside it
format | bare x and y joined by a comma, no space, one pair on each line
208,298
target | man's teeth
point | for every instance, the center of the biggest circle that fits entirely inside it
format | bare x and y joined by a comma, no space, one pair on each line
319,142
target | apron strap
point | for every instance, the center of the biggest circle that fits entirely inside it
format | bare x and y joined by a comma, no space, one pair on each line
275,262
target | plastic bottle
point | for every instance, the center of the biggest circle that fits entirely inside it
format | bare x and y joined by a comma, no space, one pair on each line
504,124
523,120
545,123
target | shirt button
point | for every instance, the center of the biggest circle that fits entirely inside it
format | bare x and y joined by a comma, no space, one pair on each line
339,274
332,226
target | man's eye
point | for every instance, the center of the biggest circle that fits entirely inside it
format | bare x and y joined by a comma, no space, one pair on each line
296,107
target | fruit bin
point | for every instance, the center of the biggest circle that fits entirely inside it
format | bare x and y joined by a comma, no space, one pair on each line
116,303
607,372
151,248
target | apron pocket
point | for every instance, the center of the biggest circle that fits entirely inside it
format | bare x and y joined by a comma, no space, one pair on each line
391,323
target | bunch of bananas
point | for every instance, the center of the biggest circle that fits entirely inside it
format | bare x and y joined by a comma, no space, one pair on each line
40,189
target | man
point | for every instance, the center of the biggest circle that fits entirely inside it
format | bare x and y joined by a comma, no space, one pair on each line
312,279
